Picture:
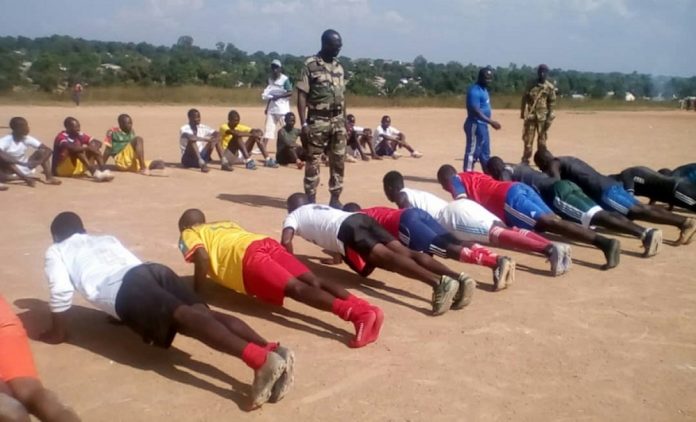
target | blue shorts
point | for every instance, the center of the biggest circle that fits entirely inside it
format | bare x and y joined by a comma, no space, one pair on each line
384,148
190,160
421,232
616,198
524,207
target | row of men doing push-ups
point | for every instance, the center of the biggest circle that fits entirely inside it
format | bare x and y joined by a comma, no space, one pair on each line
152,300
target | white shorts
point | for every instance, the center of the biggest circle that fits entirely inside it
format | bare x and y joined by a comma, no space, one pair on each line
468,219
273,124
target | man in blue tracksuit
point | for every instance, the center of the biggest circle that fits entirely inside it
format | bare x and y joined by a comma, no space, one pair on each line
478,117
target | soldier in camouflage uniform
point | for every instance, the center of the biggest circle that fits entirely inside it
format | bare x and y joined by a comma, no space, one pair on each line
537,112
321,109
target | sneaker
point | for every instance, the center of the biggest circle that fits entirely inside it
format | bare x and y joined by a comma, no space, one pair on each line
226,166
560,259
501,273
612,254
443,295
395,156
465,292
204,168
416,154
265,378
287,379
363,320
101,176
567,260
652,242
687,232
350,159
250,165
271,163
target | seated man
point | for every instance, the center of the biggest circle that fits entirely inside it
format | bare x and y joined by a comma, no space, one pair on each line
519,205
75,153
13,155
197,142
287,149
473,223
610,194
128,149
687,171
358,138
153,301
233,134
365,245
21,391
257,265
420,232
571,203
643,181
387,139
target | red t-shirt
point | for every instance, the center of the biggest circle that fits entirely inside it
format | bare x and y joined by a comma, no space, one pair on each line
486,191
386,217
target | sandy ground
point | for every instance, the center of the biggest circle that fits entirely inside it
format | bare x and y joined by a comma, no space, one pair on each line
591,345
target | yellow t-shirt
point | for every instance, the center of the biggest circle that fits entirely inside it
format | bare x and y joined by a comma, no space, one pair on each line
226,244
227,137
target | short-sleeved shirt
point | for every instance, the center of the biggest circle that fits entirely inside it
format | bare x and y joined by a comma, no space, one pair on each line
389,218
286,139
323,83
202,131
486,191
588,179
117,139
318,224
225,137
18,149
537,180
477,96
425,201
63,139
379,131
643,181
279,86
226,244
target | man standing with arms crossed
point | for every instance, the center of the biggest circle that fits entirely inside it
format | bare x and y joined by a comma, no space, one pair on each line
321,109
536,110
478,117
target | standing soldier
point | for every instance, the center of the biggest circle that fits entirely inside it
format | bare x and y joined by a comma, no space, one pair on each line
537,112
321,109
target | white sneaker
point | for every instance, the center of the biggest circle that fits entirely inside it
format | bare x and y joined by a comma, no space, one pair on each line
416,154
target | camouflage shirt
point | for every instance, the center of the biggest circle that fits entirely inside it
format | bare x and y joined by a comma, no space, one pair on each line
323,82
539,99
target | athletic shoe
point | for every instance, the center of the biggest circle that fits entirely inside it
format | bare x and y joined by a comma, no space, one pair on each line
687,232
416,154
395,156
612,254
265,378
465,292
363,320
270,163
204,168
501,273
102,176
379,319
443,294
287,379
350,159
567,260
226,167
652,242
250,165
560,258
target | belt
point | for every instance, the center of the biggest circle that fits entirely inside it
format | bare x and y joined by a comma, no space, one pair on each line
325,113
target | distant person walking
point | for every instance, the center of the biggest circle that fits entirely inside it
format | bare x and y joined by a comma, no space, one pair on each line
478,117
321,110
277,96
77,90
538,102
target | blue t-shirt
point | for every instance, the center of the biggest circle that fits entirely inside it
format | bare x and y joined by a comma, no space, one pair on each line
477,96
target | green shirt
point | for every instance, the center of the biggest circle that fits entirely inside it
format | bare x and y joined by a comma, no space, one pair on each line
286,139
118,140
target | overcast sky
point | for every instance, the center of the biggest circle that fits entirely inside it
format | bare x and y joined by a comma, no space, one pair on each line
648,36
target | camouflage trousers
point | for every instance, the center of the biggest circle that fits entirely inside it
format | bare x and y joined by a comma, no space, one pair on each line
534,128
325,135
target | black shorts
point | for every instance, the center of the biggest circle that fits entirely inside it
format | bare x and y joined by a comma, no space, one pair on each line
147,299
361,233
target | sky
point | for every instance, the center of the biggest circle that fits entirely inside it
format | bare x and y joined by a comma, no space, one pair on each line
647,36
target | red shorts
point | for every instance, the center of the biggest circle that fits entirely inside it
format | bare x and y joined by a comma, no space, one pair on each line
16,360
267,269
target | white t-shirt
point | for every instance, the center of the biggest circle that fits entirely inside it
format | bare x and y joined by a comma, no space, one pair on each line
202,131
379,131
92,265
425,201
18,150
318,224
278,87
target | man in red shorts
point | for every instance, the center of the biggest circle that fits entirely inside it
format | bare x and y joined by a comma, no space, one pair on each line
21,391
257,265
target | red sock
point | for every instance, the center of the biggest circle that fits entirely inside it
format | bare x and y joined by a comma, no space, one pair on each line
254,356
518,239
343,308
480,256
271,346
531,234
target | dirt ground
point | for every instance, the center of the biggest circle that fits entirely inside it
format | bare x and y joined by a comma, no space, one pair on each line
590,345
